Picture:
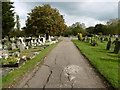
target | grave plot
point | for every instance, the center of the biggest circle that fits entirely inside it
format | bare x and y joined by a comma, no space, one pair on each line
17,51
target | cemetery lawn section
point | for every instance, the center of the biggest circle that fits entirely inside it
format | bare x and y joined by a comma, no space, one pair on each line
104,61
14,76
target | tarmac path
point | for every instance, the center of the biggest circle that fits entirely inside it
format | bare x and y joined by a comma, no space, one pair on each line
64,67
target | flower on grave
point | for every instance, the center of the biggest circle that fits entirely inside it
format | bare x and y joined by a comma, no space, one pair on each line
9,60
18,60
6,57
24,57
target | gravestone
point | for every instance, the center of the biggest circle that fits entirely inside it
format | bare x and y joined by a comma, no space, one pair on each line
5,47
101,39
13,46
117,46
18,43
39,36
29,44
44,40
46,36
49,39
12,39
109,44
9,47
17,54
22,41
22,47
40,41
35,41
5,53
32,41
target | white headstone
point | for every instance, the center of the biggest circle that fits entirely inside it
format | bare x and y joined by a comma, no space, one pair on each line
49,39
32,41
22,47
40,41
18,44
43,40
23,42
35,41
13,46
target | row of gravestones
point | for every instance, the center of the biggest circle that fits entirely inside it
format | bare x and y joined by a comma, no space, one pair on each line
22,43
93,42
97,37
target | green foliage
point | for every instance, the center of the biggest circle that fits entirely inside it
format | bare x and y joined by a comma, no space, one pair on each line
112,27
17,33
100,28
7,18
74,29
44,19
17,22
90,30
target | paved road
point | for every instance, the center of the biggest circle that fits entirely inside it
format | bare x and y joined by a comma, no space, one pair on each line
64,67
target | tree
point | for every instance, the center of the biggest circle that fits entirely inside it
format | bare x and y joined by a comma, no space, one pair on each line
74,29
17,22
44,19
100,28
7,18
113,26
90,30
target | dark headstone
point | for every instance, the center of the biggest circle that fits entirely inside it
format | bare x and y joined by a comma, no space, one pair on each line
109,44
117,46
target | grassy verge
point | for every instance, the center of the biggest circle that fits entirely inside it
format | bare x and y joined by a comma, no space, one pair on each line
105,61
14,76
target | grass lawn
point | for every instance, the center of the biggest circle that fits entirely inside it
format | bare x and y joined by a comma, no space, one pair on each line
105,61
14,76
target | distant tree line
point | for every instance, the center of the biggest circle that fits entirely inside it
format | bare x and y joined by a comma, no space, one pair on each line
111,27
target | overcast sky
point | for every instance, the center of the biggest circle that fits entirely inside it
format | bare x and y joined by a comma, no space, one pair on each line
90,13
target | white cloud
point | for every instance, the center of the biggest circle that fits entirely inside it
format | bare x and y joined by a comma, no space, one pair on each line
22,22
87,20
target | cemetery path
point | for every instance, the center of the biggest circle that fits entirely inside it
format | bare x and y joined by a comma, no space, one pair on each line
64,67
